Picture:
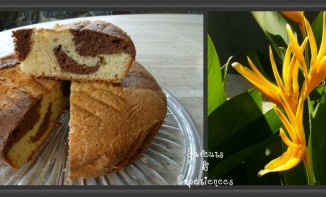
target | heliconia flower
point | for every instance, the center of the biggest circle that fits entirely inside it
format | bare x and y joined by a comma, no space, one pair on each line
317,71
259,81
295,16
295,140
285,94
290,158
286,89
298,51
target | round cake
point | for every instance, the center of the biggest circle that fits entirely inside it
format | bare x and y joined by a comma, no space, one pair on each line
111,125
116,105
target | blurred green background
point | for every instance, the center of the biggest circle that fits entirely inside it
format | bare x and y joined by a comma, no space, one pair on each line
238,33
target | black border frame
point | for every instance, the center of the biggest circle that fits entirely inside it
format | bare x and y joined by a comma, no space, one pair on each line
207,5
166,3
242,191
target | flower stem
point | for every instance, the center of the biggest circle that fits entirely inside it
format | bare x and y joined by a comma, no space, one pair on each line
309,172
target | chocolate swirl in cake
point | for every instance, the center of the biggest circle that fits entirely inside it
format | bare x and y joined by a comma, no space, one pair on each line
22,39
69,65
98,37
44,125
28,110
89,40
18,114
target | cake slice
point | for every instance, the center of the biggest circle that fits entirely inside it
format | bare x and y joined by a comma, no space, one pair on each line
82,51
29,109
111,125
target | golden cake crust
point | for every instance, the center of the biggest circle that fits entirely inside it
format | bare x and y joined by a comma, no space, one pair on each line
110,125
20,102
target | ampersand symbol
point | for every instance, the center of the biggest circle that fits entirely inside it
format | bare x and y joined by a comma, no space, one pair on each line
205,166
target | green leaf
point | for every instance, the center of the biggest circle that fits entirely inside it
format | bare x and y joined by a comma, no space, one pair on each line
277,40
273,25
318,143
310,149
316,95
252,133
273,120
216,94
228,163
296,175
238,175
272,22
257,98
243,142
232,116
261,128
307,109
278,44
224,70
255,163
317,28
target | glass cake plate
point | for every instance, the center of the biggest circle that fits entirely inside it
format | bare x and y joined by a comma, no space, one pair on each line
163,163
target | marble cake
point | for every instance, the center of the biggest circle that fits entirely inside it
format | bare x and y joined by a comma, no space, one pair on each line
29,109
81,51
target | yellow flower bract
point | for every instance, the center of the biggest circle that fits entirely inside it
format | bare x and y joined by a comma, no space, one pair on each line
286,94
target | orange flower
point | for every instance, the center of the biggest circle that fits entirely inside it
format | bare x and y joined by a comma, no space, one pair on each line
317,72
285,94
295,16
295,140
